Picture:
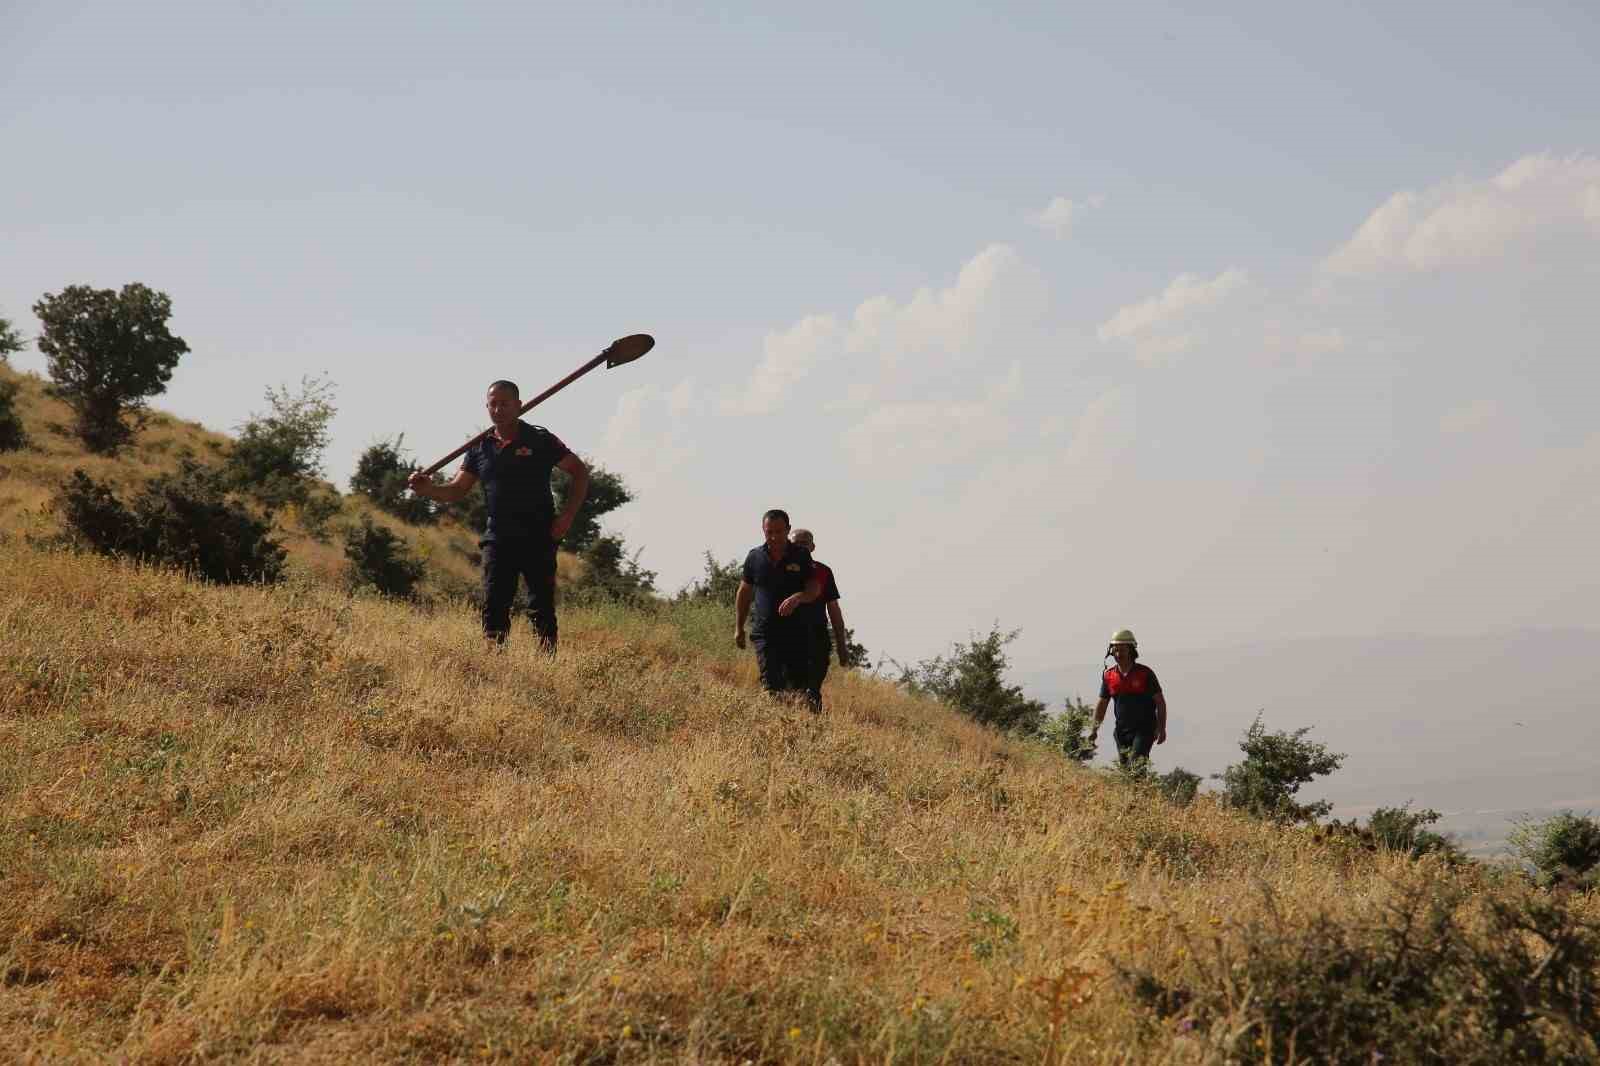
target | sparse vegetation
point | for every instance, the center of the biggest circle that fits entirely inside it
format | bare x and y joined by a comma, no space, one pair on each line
1071,731
12,435
611,573
10,340
1405,830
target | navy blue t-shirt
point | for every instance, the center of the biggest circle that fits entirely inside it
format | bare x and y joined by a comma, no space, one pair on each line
516,481
775,582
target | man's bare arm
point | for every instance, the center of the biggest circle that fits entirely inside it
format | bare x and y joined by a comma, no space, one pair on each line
578,470
1161,717
741,610
836,620
453,491
1100,712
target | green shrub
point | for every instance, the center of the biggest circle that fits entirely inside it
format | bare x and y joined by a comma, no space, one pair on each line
277,455
380,560
719,584
1178,786
1402,829
381,475
12,435
972,679
185,520
1274,767
318,512
1564,848
610,573
1441,974
1071,731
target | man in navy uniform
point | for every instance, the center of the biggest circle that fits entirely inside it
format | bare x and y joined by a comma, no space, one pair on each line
778,580
820,615
514,461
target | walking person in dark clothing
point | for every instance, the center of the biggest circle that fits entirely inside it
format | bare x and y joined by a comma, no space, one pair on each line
819,615
514,462
778,580
1140,703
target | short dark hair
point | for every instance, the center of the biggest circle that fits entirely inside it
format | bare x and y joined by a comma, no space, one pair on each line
509,386
777,516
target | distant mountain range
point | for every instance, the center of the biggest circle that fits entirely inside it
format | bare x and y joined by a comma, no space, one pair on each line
1484,729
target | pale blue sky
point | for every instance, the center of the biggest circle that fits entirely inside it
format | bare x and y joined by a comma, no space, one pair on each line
1188,398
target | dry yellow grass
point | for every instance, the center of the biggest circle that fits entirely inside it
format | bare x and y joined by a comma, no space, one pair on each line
285,825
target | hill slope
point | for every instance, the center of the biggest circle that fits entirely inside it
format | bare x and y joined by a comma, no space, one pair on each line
285,824
288,825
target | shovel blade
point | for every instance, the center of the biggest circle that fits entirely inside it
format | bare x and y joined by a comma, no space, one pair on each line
627,349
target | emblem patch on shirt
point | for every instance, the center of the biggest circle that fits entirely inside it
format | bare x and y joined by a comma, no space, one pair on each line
794,567
524,451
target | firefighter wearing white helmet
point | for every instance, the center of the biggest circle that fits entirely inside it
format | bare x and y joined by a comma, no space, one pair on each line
1140,704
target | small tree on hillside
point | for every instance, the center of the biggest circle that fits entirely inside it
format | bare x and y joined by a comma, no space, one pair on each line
606,493
10,340
108,353
381,475
972,678
278,453
1274,767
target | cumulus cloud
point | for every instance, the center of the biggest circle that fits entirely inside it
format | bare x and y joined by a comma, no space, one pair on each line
949,428
993,302
787,357
1162,327
1060,213
647,436
1462,222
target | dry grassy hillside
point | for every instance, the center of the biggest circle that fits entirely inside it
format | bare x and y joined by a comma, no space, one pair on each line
287,825
29,480
284,825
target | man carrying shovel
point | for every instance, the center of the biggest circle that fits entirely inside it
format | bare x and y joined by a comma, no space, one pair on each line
514,460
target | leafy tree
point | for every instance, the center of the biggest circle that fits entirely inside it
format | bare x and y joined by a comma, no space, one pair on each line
611,573
10,340
184,520
1071,730
1178,786
1274,767
606,493
719,585
856,653
108,353
381,475
972,678
12,435
382,561
1565,847
277,454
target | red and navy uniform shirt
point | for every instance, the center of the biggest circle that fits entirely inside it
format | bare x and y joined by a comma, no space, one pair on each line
1132,694
816,612
516,481
775,581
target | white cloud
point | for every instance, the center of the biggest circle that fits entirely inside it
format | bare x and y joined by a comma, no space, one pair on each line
788,357
1462,222
1060,213
1165,326
943,428
993,303
647,437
